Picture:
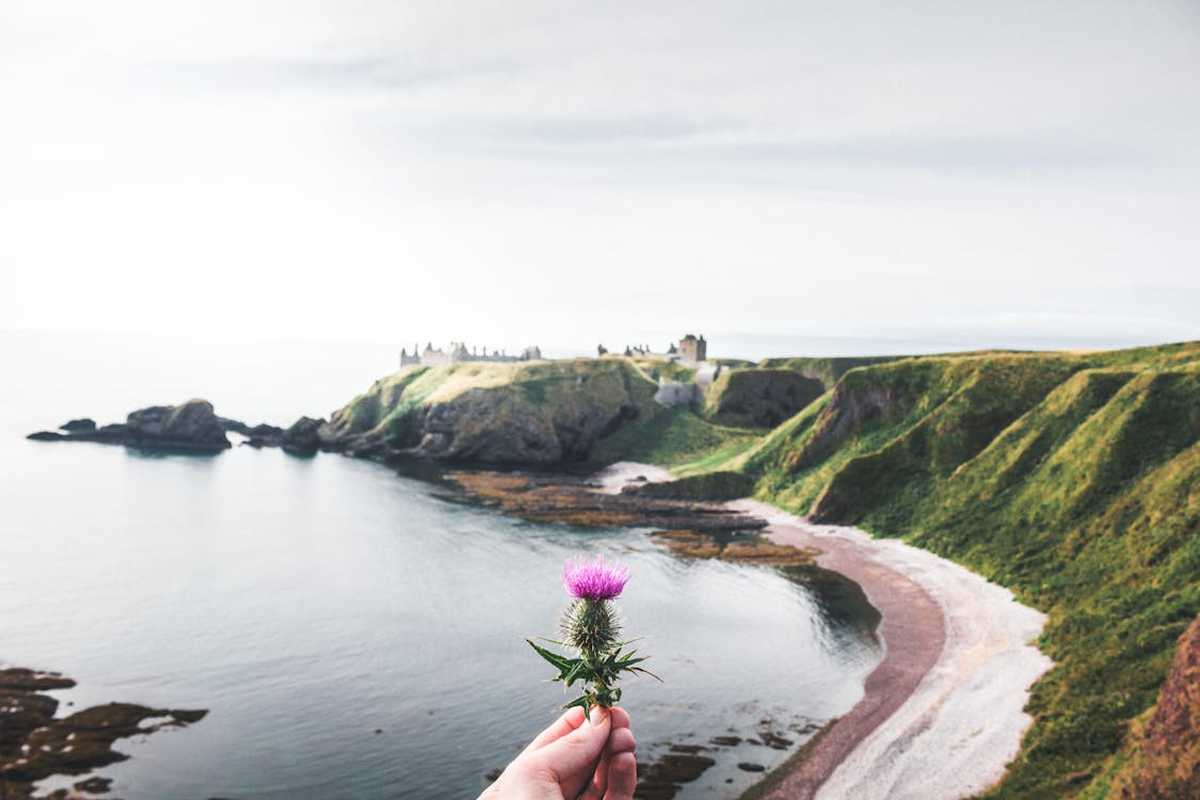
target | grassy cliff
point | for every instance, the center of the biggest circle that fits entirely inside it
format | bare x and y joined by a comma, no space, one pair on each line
827,370
524,413
758,397
1074,479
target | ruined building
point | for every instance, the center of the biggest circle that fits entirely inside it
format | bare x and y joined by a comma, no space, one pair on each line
693,349
459,352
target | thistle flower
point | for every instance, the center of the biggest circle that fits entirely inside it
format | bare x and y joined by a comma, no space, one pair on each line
597,580
591,627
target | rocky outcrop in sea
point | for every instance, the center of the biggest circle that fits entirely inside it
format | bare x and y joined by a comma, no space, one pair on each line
192,426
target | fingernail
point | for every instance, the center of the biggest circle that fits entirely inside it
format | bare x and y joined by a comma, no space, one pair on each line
597,715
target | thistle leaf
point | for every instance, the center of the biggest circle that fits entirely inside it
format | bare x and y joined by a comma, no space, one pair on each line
644,671
584,702
574,674
562,663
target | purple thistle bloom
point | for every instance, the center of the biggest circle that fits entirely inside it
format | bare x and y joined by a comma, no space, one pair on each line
594,580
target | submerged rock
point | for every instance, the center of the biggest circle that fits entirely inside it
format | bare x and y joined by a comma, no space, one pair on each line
561,498
34,744
743,548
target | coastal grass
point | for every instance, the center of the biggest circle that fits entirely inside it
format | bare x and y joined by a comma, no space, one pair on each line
658,369
826,370
669,437
1073,479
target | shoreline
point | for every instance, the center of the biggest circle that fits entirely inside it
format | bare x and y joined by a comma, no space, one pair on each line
943,713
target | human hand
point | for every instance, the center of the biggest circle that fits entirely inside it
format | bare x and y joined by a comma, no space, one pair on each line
574,758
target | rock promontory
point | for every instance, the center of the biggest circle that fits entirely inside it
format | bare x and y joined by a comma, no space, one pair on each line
192,426
528,413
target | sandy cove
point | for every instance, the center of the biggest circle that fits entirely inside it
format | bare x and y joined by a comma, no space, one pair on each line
943,713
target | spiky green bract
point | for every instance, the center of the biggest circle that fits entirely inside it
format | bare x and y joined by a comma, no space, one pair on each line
598,672
591,626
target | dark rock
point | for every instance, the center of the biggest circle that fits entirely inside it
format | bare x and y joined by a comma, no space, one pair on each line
749,766
234,426
35,744
726,741
191,427
28,680
303,437
260,431
114,433
679,768
96,785
776,742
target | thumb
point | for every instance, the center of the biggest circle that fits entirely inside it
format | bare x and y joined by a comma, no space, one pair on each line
573,757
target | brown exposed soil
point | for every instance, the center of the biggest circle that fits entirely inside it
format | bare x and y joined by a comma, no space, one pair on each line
34,744
576,501
1164,758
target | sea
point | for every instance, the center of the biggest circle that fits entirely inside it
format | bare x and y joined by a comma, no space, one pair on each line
354,631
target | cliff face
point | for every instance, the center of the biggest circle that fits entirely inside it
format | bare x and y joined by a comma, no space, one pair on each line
525,413
1163,753
1072,479
759,398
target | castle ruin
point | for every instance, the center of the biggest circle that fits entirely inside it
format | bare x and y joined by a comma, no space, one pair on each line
459,353
693,349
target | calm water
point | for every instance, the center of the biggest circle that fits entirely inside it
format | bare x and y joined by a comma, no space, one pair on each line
307,603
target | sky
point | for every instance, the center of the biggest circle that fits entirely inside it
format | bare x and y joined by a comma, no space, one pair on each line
570,173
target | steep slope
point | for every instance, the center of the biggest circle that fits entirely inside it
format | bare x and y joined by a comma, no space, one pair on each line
758,398
519,413
1162,758
1072,478
826,370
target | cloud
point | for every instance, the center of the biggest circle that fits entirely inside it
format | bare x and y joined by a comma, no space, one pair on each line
315,75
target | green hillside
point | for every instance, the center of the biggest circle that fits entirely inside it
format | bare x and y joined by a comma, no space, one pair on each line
1074,479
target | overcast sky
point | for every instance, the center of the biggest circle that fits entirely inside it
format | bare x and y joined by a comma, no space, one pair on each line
570,172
